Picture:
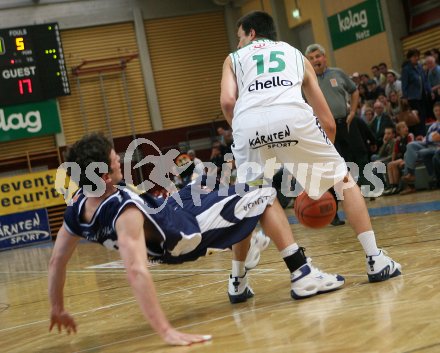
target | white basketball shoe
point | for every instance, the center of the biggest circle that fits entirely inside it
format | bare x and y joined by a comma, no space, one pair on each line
238,289
308,281
259,242
381,267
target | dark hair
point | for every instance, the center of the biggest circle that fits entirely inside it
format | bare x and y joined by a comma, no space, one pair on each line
261,22
375,67
411,52
382,64
94,147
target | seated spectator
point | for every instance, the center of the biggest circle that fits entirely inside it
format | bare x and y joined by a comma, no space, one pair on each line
393,83
408,115
183,175
386,150
380,122
362,94
435,52
378,77
364,150
436,167
364,79
395,166
422,150
368,115
383,68
198,164
386,104
229,141
356,78
220,135
394,105
384,154
217,156
373,90
433,74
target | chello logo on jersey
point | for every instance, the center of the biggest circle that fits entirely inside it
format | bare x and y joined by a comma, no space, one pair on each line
275,81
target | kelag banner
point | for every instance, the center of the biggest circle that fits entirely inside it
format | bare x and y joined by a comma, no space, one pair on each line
356,23
29,120
24,228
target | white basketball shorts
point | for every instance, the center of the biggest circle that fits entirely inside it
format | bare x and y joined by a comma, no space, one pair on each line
289,137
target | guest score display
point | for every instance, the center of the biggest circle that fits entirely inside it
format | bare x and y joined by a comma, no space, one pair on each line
32,65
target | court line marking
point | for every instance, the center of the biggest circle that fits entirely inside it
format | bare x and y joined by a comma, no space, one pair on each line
232,314
160,294
153,271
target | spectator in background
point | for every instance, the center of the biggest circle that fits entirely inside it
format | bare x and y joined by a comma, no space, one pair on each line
395,166
393,83
394,105
384,154
415,88
369,116
378,76
217,156
229,141
436,166
198,164
383,69
386,150
436,54
373,90
409,116
362,94
422,150
380,122
220,135
356,78
433,75
363,149
364,79
386,105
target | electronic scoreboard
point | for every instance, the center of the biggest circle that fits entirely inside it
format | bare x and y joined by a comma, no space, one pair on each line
32,65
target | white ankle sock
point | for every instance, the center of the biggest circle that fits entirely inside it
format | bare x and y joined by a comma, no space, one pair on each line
238,269
368,242
290,250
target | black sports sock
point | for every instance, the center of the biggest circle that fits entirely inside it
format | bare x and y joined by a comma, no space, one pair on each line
296,260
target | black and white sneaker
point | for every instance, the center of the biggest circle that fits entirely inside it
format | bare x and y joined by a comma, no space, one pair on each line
309,280
239,290
381,267
259,242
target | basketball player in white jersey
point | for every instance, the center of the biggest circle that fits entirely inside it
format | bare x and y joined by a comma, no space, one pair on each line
261,99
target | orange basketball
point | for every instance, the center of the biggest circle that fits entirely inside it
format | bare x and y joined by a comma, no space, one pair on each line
315,213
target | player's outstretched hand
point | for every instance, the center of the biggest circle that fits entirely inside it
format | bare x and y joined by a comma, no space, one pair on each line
176,338
62,320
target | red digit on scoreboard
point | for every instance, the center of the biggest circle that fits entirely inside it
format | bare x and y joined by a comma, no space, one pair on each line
23,84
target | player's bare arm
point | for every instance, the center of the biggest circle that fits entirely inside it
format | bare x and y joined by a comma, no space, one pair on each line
131,242
316,99
62,252
229,91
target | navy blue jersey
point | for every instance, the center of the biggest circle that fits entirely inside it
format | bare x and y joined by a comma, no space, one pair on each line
191,222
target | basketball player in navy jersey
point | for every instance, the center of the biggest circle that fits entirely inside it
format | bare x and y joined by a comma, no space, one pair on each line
261,98
142,227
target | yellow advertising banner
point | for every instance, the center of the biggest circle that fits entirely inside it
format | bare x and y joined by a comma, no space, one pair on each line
28,192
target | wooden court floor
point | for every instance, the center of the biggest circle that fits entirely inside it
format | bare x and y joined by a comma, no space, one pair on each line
400,315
